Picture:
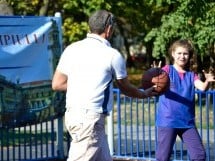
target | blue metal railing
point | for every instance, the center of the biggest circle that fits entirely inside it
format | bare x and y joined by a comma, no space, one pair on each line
33,142
133,134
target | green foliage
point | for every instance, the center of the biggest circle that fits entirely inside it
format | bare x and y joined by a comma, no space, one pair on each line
32,8
74,31
75,13
205,30
188,19
152,23
173,26
75,17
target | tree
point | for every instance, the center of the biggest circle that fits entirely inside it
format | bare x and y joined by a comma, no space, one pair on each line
187,19
152,23
5,9
74,13
133,24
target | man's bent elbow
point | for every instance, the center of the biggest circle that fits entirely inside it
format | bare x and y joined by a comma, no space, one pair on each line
54,86
59,82
59,87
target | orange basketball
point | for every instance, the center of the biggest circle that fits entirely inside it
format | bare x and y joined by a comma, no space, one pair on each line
158,77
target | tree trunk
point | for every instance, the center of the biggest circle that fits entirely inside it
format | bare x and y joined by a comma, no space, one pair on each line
44,8
5,9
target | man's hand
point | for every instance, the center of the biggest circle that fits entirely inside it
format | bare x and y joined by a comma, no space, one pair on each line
150,91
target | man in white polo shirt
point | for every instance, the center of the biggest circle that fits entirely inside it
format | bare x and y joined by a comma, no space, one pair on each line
86,71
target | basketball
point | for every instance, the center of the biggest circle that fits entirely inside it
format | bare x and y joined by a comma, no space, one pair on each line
158,77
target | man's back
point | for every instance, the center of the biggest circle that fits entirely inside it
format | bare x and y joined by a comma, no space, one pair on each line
90,66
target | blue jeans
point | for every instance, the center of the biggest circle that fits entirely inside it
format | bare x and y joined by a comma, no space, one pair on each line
189,136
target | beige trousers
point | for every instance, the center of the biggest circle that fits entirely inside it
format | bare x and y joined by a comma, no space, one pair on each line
89,141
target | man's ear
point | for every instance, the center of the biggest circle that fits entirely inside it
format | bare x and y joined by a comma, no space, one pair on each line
109,31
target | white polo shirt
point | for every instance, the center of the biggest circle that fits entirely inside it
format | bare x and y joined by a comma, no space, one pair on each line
91,65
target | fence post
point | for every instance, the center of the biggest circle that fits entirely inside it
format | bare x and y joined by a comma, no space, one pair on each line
60,146
110,132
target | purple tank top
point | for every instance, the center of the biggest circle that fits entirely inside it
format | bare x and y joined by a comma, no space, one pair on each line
176,107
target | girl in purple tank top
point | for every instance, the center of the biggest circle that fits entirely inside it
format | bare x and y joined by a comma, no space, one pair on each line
176,107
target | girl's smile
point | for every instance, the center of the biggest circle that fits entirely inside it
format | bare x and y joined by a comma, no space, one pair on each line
180,56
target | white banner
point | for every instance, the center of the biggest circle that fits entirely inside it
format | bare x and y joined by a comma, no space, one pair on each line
28,47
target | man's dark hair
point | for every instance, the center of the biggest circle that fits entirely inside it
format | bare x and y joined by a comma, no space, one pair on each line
99,20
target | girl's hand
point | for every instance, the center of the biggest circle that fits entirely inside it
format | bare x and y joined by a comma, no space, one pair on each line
156,65
209,77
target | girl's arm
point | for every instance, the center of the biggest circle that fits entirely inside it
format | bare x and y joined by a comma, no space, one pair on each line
204,85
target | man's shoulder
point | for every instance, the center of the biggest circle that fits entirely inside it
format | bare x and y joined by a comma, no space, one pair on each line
74,44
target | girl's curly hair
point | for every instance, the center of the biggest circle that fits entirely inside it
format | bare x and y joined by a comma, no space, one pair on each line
192,62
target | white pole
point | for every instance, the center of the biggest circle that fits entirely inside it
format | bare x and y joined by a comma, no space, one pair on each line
60,146
110,132
57,14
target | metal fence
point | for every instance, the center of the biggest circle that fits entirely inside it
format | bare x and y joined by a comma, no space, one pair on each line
134,133
130,130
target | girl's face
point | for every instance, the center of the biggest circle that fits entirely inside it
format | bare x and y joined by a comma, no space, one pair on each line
180,56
